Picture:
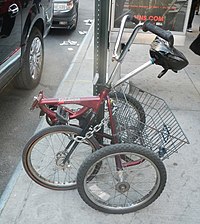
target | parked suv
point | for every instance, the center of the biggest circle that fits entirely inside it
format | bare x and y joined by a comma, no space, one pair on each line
23,25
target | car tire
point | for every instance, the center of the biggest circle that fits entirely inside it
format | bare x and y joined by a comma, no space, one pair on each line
76,21
32,62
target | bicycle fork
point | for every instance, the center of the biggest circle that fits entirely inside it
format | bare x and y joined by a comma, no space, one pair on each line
74,143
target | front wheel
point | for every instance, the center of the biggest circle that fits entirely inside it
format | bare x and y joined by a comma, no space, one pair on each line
44,155
129,178
32,62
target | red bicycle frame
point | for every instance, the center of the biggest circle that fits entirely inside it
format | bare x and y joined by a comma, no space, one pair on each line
93,103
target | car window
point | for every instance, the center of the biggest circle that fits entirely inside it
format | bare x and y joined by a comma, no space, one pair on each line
10,28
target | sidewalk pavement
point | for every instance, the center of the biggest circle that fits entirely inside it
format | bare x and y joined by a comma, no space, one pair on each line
26,202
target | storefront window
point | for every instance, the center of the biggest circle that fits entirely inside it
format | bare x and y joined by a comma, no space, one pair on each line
168,14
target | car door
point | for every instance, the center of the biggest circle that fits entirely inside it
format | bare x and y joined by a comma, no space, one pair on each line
10,34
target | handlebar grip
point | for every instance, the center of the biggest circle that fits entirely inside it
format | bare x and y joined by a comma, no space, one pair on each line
133,19
165,34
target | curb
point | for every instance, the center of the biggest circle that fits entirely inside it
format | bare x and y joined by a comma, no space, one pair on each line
70,74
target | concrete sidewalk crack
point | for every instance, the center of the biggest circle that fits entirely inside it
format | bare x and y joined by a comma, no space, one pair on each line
24,203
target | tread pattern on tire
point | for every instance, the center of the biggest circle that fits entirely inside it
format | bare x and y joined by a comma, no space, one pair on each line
34,138
112,149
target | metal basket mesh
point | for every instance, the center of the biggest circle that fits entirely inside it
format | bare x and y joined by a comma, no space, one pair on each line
159,130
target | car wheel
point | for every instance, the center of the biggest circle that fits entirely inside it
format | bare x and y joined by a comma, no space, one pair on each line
75,21
32,62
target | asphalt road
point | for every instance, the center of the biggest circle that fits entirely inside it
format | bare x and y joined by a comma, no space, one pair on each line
17,123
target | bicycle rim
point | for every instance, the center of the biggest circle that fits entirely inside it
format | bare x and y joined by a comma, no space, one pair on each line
129,117
121,191
43,158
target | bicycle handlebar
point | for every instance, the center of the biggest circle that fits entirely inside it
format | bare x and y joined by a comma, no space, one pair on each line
165,34
119,37
146,26
119,54
149,26
119,57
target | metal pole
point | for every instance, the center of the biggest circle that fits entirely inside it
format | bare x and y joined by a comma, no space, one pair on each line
100,47
101,41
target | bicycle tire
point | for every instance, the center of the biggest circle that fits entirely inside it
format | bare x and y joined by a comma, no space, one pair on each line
135,103
132,190
43,155
130,116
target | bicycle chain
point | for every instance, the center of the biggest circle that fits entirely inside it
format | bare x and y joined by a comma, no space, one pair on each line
91,132
96,128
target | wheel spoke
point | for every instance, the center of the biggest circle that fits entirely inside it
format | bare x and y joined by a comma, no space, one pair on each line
35,58
120,191
44,157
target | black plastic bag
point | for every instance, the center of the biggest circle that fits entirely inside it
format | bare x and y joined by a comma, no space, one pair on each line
195,45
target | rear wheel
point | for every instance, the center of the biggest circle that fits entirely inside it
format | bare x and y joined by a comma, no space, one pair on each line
136,184
126,106
44,155
129,117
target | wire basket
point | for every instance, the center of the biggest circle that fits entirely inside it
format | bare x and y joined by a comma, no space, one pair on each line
158,131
